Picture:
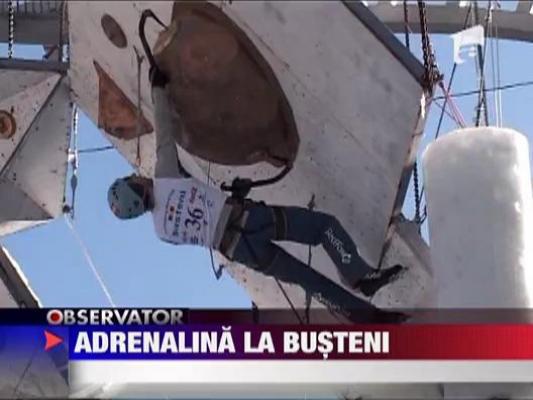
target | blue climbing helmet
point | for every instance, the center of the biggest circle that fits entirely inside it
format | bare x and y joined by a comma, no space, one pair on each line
124,201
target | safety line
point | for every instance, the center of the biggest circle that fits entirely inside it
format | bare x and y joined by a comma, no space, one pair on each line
90,261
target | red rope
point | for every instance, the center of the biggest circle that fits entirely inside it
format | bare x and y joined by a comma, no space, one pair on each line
453,106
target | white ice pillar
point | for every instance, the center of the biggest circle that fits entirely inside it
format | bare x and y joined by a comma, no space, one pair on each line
480,214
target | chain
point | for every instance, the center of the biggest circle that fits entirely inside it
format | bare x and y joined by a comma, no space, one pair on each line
416,188
11,29
416,181
431,72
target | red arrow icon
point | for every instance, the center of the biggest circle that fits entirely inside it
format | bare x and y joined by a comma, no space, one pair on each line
51,340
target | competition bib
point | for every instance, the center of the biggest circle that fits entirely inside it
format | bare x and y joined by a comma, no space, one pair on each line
186,210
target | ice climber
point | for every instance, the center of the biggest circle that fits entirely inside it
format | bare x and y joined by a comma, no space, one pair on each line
188,211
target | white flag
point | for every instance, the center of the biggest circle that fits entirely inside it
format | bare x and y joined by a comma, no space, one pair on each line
467,40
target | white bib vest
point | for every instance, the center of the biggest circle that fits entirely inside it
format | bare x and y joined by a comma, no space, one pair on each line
186,211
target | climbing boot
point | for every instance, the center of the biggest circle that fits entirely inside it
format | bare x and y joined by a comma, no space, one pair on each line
374,281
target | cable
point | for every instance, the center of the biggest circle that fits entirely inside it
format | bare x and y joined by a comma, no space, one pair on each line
499,92
493,70
447,113
492,89
96,149
90,262
481,52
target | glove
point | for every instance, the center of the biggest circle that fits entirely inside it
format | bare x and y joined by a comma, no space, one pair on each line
157,77
240,187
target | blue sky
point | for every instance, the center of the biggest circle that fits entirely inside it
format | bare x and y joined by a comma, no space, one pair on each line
140,270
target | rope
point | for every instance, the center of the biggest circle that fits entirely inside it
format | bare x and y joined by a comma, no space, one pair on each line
24,372
448,114
406,24
453,106
447,96
258,262
74,160
90,262
140,59
11,29
291,304
217,273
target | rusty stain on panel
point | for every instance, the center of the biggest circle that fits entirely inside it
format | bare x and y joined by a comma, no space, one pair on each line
8,125
232,105
117,115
